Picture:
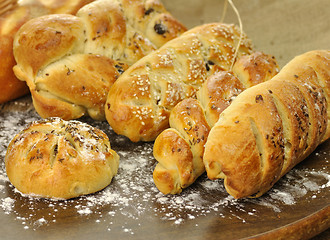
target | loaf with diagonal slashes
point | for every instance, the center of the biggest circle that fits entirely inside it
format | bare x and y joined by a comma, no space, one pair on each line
271,127
70,62
179,149
140,101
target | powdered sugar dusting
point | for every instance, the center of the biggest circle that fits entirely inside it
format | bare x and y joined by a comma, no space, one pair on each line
133,196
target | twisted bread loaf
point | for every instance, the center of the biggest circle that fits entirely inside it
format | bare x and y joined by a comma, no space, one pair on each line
179,149
140,101
11,19
58,159
70,62
271,127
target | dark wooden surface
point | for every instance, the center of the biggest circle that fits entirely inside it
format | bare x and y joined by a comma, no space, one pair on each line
131,208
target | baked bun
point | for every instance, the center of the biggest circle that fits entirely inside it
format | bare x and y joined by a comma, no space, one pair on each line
53,158
12,16
70,62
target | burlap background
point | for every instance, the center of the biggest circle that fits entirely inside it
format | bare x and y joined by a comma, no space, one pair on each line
284,28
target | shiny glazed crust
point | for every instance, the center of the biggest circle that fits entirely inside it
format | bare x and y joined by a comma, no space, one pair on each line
70,62
53,158
179,149
271,127
140,101
10,22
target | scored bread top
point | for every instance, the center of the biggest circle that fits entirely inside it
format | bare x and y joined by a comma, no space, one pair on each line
54,158
271,127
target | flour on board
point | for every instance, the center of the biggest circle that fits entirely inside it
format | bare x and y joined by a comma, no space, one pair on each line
132,194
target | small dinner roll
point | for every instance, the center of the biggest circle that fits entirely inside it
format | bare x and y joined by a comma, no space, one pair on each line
53,158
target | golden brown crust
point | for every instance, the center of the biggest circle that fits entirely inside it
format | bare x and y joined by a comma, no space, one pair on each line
255,68
53,158
10,22
151,18
191,119
70,62
171,175
269,128
317,63
168,75
179,149
217,93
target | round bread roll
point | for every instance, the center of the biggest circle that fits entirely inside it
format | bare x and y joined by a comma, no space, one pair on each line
53,158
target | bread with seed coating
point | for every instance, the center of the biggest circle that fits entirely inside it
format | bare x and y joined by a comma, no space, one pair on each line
53,158
179,149
271,127
139,103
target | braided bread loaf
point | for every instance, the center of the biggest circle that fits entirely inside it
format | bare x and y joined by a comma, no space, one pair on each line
179,149
271,127
70,62
140,101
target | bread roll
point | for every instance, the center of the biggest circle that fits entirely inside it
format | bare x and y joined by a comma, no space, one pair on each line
12,18
70,62
53,158
179,149
140,101
271,127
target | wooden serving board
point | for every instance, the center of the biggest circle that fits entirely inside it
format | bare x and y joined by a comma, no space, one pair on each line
297,207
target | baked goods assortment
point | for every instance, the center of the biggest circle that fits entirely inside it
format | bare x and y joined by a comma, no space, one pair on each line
167,76
70,62
204,95
179,149
60,159
271,127
13,14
